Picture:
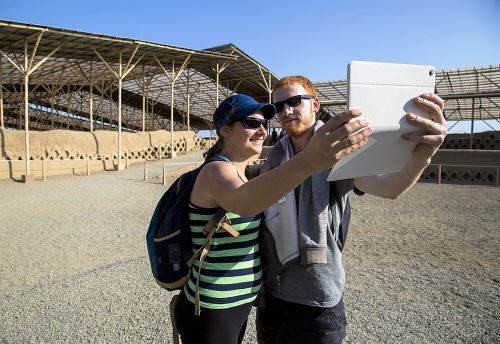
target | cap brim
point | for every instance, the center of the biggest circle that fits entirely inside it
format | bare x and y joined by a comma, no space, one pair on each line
267,109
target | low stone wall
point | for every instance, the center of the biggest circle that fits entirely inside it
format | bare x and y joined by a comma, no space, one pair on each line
462,175
464,166
66,152
482,162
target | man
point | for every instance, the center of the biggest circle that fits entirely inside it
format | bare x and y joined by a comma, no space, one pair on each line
305,231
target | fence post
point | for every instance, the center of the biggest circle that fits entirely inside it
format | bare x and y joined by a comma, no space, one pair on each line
88,167
164,174
126,160
439,174
146,169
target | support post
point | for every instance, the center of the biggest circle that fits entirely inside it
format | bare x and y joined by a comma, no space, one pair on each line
143,111
2,125
26,126
91,110
439,174
143,89
120,167
210,137
472,122
217,86
91,102
188,110
173,78
164,174
172,153
146,169
122,73
111,108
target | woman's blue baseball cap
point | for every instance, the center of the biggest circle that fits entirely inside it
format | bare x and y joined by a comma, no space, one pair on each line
240,106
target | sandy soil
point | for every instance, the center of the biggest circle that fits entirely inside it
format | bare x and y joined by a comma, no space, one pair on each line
424,268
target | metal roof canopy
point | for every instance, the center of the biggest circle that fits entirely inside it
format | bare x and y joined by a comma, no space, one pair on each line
246,75
80,45
27,47
77,58
469,94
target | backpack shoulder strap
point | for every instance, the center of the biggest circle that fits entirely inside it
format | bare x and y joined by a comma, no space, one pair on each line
178,188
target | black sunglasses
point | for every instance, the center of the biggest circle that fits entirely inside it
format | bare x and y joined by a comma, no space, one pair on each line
251,123
291,102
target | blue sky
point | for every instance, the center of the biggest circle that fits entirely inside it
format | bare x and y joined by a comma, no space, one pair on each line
313,38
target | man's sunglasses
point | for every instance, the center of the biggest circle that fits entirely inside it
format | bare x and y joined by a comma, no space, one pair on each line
251,123
291,102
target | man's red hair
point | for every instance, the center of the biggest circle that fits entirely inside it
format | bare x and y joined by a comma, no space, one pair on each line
296,79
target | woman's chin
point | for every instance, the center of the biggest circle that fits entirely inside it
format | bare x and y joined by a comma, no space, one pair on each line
256,149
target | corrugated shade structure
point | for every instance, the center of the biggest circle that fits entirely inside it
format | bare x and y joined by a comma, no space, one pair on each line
66,61
472,93
77,73
246,75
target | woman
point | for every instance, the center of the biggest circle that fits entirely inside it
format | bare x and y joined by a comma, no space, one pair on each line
231,274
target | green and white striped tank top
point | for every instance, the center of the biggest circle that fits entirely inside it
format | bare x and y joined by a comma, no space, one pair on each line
231,274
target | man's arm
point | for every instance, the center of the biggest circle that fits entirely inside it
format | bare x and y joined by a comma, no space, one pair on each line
252,171
434,131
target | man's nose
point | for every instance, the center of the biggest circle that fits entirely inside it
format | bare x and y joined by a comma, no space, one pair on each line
287,110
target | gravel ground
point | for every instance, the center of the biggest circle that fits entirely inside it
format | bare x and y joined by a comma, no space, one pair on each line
74,267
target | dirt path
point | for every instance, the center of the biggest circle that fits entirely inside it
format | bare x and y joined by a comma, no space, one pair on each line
420,269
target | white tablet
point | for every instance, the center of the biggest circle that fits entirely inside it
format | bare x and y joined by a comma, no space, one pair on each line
383,92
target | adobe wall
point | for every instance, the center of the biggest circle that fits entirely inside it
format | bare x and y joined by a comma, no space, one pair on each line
67,151
456,150
470,174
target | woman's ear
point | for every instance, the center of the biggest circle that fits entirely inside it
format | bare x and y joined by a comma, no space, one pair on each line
225,130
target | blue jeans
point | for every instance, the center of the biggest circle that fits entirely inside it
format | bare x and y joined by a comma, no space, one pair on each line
287,322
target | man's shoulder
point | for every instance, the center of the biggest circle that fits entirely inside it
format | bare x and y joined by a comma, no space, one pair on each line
275,156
